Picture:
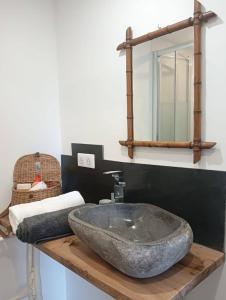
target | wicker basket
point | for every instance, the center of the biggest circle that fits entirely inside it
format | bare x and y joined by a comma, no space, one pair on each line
24,172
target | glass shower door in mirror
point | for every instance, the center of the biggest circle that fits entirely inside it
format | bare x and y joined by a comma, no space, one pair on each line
174,93
163,91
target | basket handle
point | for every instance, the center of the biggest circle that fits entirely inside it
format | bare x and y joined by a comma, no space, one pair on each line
37,154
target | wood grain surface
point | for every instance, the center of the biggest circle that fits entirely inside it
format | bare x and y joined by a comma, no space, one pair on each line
171,285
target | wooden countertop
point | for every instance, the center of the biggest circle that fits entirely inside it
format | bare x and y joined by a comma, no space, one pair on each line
171,285
5,227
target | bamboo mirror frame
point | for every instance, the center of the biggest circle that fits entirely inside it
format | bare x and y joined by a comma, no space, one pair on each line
197,144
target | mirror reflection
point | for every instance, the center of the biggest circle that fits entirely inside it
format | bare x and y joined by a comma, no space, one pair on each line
163,88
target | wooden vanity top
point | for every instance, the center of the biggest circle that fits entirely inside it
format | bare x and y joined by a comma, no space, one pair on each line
171,285
5,227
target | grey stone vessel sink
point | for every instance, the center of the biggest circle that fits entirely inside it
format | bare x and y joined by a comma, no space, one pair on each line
140,240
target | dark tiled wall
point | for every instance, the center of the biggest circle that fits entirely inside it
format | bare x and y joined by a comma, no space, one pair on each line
198,196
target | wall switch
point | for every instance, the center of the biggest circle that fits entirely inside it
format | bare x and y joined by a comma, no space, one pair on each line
86,160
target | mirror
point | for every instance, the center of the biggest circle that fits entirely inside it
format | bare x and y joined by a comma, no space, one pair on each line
164,86
163,75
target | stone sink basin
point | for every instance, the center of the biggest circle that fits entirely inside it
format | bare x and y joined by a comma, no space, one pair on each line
140,240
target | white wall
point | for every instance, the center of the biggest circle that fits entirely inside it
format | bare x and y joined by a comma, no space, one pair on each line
93,86
92,75
29,109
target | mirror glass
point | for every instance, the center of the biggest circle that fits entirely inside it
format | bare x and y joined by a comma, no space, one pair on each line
163,76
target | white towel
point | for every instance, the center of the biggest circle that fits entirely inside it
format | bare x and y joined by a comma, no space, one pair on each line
18,212
39,186
23,186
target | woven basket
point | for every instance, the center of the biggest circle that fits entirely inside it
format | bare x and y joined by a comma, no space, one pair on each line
24,172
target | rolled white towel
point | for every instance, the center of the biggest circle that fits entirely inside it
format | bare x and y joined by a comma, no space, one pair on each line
39,186
18,212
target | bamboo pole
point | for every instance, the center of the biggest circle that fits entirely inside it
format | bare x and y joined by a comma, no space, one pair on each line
129,81
166,30
197,81
168,144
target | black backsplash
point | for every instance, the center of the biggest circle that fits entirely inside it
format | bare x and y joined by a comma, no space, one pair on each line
196,195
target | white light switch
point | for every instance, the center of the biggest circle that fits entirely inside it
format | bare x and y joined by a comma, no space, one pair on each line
86,160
